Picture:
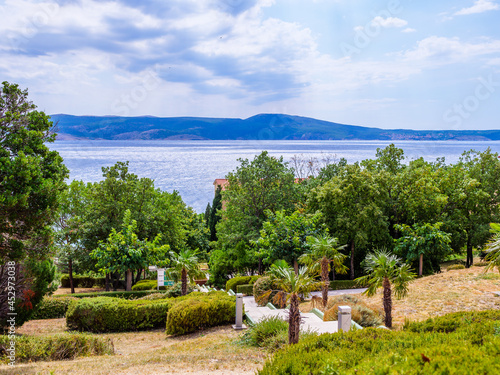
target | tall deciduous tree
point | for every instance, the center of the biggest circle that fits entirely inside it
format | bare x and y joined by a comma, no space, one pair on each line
31,178
322,251
351,206
386,270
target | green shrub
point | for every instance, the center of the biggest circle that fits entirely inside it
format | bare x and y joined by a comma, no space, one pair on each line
344,284
455,267
362,313
83,281
262,286
118,294
481,264
246,289
56,347
53,308
240,280
106,314
199,311
452,322
175,290
474,348
265,331
147,285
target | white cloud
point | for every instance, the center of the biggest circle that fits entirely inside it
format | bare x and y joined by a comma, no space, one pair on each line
389,22
480,6
409,30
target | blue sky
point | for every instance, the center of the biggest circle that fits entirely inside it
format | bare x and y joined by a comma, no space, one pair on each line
390,64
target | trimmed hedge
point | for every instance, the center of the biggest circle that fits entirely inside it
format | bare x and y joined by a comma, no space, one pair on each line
55,347
147,285
118,294
83,281
344,284
472,348
106,314
246,289
240,280
200,311
53,308
451,322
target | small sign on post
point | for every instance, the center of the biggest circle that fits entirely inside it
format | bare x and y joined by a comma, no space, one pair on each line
239,312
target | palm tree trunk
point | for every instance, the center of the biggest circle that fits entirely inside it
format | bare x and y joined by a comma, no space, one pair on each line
183,282
294,320
352,260
296,266
420,265
386,284
325,280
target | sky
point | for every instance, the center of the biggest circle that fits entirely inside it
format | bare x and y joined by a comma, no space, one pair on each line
389,64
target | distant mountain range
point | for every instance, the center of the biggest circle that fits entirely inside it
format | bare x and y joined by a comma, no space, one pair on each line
259,127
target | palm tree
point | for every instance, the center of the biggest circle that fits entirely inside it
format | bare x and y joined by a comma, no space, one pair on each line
322,251
385,270
184,264
493,249
293,284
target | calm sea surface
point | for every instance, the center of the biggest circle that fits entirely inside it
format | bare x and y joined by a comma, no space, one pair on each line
190,167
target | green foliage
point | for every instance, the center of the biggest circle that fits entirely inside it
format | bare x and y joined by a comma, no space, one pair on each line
147,285
83,281
66,346
261,287
53,308
285,236
107,314
240,280
455,321
362,313
493,249
455,267
246,289
184,268
267,333
200,311
117,294
473,348
426,240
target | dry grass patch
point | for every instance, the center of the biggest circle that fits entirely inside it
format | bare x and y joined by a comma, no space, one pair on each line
214,351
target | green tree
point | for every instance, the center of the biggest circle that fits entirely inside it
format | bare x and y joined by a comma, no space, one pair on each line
285,237
425,239
322,251
31,179
212,216
352,208
294,284
386,270
124,252
184,267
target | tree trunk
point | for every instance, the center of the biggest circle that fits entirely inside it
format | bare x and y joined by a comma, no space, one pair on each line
325,280
387,302
70,272
420,265
138,276
107,282
352,260
296,266
469,261
128,276
183,282
294,320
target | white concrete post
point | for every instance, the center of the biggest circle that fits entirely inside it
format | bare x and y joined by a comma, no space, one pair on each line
344,318
239,312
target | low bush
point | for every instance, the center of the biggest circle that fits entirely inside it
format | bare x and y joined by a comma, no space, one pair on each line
240,280
147,285
83,281
362,313
455,267
118,294
266,332
262,286
473,348
106,314
246,289
452,322
199,311
175,290
481,264
55,347
53,308
344,284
